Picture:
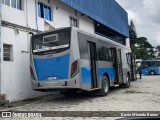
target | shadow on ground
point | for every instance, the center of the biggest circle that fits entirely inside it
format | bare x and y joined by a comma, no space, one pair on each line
56,97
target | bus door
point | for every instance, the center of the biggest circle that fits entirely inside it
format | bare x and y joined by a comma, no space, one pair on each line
93,59
133,67
131,62
117,64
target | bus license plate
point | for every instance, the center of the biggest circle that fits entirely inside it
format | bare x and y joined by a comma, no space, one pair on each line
52,78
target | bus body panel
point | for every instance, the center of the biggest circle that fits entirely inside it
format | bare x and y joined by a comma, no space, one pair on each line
57,84
84,68
56,67
126,68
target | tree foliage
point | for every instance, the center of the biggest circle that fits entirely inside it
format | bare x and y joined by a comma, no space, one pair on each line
140,46
158,51
132,31
158,48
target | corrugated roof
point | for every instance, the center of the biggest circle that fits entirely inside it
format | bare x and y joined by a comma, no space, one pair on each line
107,12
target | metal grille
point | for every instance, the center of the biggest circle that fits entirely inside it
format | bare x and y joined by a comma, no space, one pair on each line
7,52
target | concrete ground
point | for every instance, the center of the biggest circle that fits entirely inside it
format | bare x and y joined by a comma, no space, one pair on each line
143,95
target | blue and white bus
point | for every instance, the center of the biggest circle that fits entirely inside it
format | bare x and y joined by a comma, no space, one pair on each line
70,59
150,67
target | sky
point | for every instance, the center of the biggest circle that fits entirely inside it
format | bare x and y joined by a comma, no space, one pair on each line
146,17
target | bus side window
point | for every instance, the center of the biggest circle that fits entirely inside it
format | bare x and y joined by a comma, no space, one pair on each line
144,64
149,64
103,52
110,55
83,46
128,55
154,64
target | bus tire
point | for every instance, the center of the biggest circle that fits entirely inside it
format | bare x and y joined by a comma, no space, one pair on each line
152,72
127,84
105,87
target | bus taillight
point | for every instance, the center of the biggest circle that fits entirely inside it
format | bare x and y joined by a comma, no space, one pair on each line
74,68
32,73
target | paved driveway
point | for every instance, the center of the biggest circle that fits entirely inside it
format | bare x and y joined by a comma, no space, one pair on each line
143,95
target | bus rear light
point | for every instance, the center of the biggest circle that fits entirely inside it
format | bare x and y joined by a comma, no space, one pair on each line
32,73
74,68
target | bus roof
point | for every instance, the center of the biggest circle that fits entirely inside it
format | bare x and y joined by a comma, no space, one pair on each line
43,32
85,32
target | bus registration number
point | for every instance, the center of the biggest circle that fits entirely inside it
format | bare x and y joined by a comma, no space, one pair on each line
52,78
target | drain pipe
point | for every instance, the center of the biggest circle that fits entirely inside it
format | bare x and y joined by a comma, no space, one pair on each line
36,14
26,13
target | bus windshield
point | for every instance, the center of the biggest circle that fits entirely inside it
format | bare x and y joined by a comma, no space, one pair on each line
51,43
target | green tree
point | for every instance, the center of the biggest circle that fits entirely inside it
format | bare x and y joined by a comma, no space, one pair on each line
142,48
157,51
141,53
132,31
158,48
141,42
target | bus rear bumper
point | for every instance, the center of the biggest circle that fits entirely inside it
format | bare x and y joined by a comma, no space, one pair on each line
73,83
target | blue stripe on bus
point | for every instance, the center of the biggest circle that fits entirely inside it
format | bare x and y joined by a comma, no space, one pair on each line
52,67
146,71
86,74
110,72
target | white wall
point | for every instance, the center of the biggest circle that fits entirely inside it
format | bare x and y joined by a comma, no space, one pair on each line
13,15
30,12
86,24
15,79
15,76
61,13
128,42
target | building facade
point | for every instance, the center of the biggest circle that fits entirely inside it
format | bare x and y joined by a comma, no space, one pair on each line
21,17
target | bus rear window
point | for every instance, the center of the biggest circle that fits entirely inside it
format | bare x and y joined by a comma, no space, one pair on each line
50,38
51,43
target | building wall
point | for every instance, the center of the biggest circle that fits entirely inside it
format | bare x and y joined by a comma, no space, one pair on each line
128,42
15,76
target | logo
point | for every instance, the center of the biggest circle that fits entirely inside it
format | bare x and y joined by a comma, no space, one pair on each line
6,114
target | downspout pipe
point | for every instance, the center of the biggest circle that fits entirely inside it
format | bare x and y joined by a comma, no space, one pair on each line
36,14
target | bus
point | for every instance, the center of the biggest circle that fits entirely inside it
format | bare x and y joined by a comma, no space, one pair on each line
69,60
150,67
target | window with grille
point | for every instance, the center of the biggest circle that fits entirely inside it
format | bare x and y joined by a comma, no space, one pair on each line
7,52
13,3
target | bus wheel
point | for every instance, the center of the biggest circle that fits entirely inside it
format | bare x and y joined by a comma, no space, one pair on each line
105,87
127,84
152,72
